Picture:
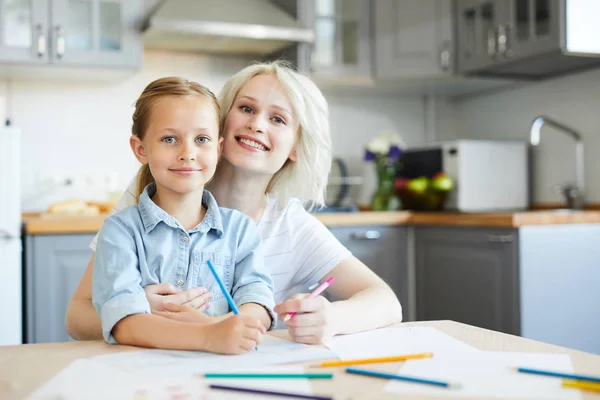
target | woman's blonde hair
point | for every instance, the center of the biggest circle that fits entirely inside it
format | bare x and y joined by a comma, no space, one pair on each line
156,90
306,178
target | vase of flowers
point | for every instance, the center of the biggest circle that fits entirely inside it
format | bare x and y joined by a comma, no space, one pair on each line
385,152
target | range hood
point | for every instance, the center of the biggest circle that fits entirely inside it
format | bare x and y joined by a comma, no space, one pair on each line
253,27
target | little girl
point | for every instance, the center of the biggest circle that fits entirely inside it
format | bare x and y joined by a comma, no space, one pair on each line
175,229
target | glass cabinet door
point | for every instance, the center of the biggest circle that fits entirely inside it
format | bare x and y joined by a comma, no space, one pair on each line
23,31
533,27
95,32
341,37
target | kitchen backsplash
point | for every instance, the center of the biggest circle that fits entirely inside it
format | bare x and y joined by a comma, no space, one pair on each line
81,130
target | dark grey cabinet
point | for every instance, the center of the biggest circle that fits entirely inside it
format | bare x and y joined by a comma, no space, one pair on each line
413,39
91,33
494,32
54,265
468,275
384,249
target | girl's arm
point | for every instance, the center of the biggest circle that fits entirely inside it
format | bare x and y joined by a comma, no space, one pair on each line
233,335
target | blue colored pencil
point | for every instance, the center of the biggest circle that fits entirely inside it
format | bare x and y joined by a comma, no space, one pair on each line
560,375
223,289
377,374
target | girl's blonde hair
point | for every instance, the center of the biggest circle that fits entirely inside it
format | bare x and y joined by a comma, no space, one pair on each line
306,178
156,90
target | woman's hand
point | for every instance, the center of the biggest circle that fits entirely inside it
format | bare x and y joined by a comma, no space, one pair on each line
163,293
313,322
181,313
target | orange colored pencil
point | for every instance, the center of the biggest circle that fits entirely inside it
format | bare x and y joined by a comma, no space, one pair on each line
337,363
589,386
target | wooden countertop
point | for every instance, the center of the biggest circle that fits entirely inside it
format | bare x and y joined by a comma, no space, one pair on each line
39,225
25,368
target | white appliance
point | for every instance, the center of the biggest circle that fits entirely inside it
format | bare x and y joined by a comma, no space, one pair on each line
11,293
489,175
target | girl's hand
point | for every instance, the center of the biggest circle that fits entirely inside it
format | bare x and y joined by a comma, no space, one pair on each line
185,314
314,325
234,335
160,294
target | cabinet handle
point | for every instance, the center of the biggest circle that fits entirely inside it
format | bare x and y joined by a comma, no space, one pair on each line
502,39
60,42
4,235
491,42
366,235
507,33
445,56
41,40
499,238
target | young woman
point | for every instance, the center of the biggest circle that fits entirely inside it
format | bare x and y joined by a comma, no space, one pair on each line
175,230
276,159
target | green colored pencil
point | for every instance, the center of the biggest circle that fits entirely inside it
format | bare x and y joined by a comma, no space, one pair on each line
271,376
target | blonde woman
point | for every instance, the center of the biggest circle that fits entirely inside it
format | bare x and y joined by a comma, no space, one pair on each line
276,158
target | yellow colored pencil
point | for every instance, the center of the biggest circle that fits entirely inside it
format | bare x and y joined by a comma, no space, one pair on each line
589,386
337,363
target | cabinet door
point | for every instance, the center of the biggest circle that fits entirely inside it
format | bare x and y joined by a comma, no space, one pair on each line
342,38
468,275
102,33
384,250
477,24
54,267
533,27
23,31
413,39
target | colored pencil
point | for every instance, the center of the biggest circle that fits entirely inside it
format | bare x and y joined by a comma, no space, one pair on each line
315,293
337,363
588,386
377,374
269,375
560,375
270,392
223,289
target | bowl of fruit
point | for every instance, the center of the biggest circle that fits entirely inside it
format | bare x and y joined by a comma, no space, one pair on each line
423,193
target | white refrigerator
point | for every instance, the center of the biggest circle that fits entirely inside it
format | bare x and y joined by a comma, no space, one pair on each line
11,280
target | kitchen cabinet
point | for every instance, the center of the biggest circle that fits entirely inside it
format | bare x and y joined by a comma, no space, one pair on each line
468,275
413,39
88,33
342,38
494,32
384,249
54,265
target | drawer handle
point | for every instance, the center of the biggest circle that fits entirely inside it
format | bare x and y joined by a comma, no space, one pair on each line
500,238
366,235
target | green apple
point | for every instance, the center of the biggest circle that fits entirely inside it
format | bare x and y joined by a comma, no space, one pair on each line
418,185
442,182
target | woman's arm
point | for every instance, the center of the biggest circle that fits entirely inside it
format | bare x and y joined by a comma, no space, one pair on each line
369,304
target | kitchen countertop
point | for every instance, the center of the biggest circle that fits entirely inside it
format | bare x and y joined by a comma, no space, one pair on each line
43,225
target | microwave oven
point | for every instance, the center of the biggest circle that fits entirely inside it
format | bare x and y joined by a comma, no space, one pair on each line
488,175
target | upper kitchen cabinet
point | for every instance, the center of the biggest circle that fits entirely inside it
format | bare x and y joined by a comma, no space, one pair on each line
526,39
342,38
100,33
96,34
23,31
413,39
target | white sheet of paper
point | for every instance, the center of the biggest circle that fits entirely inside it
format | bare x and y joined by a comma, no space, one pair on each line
159,364
396,341
488,374
87,379
194,387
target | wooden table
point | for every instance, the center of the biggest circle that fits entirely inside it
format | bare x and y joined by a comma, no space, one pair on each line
25,368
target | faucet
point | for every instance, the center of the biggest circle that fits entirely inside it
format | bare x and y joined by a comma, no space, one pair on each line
573,194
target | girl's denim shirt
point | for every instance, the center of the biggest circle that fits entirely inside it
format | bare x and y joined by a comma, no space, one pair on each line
143,245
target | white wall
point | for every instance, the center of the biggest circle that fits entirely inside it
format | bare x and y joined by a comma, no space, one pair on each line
81,130
573,100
